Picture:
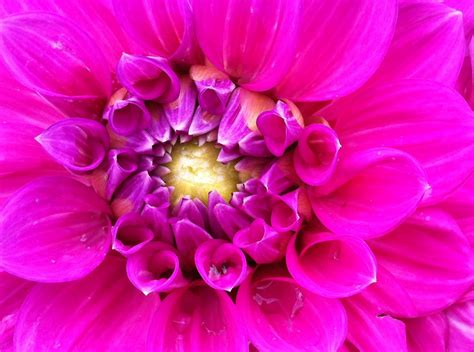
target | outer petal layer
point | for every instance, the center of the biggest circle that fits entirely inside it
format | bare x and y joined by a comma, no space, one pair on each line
340,46
429,121
52,230
102,312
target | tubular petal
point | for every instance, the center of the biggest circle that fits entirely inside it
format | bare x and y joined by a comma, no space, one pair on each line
281,316
130,234
262,243
252,41
148,78
371,192
54,229
428,333
64,64
78,144
155,268
428,44
161,27
330,265
221,264
128,116
197,318
92,314
188,237
155,214
340,46
431,283
429,121
316,154
180,112
231,219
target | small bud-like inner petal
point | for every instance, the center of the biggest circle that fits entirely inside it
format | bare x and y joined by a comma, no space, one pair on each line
254,145
179,112
203,122
214,88
130,233
280,127
280,176
330,265
284,214
231,219
155,213
148,78
78,144
316,154
155,268
221,264
120,164
261,242
128,116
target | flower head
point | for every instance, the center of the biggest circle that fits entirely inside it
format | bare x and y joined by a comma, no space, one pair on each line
231,175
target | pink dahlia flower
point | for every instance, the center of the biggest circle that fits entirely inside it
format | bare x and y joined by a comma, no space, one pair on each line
220,175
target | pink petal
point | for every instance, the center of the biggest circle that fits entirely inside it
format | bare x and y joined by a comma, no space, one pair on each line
12,294
102,312
148,78
180,112
428,333
252,41
280,127
188,237
460,319
371,192
64,64
330,265
393,115
155,214
231,219
197,318
467,9
127,116
420,272
221,264
316,154
428,44
368,331
281,316
340,53
54,229
161,27
261,242
78,144
155,268
130,234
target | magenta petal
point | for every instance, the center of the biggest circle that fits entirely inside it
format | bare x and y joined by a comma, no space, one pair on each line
78,144
197,318
54,229
280,127
383,329
155,268
12,294
330,265
130,233
148,78
155,213
231,219
262,243
393,115
336,56
102,312
316,155
370,193
221,264
188,237
64,64
253,41
421,273
159,127
428,333
203,122
180,112
428,44
161,27
467,9
460,319
281,316
128,116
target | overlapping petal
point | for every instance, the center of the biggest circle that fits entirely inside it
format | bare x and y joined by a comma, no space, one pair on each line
54,229
340,46
431,122
102,312
428,333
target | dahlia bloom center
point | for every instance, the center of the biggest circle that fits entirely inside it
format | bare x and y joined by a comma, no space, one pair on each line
195,172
